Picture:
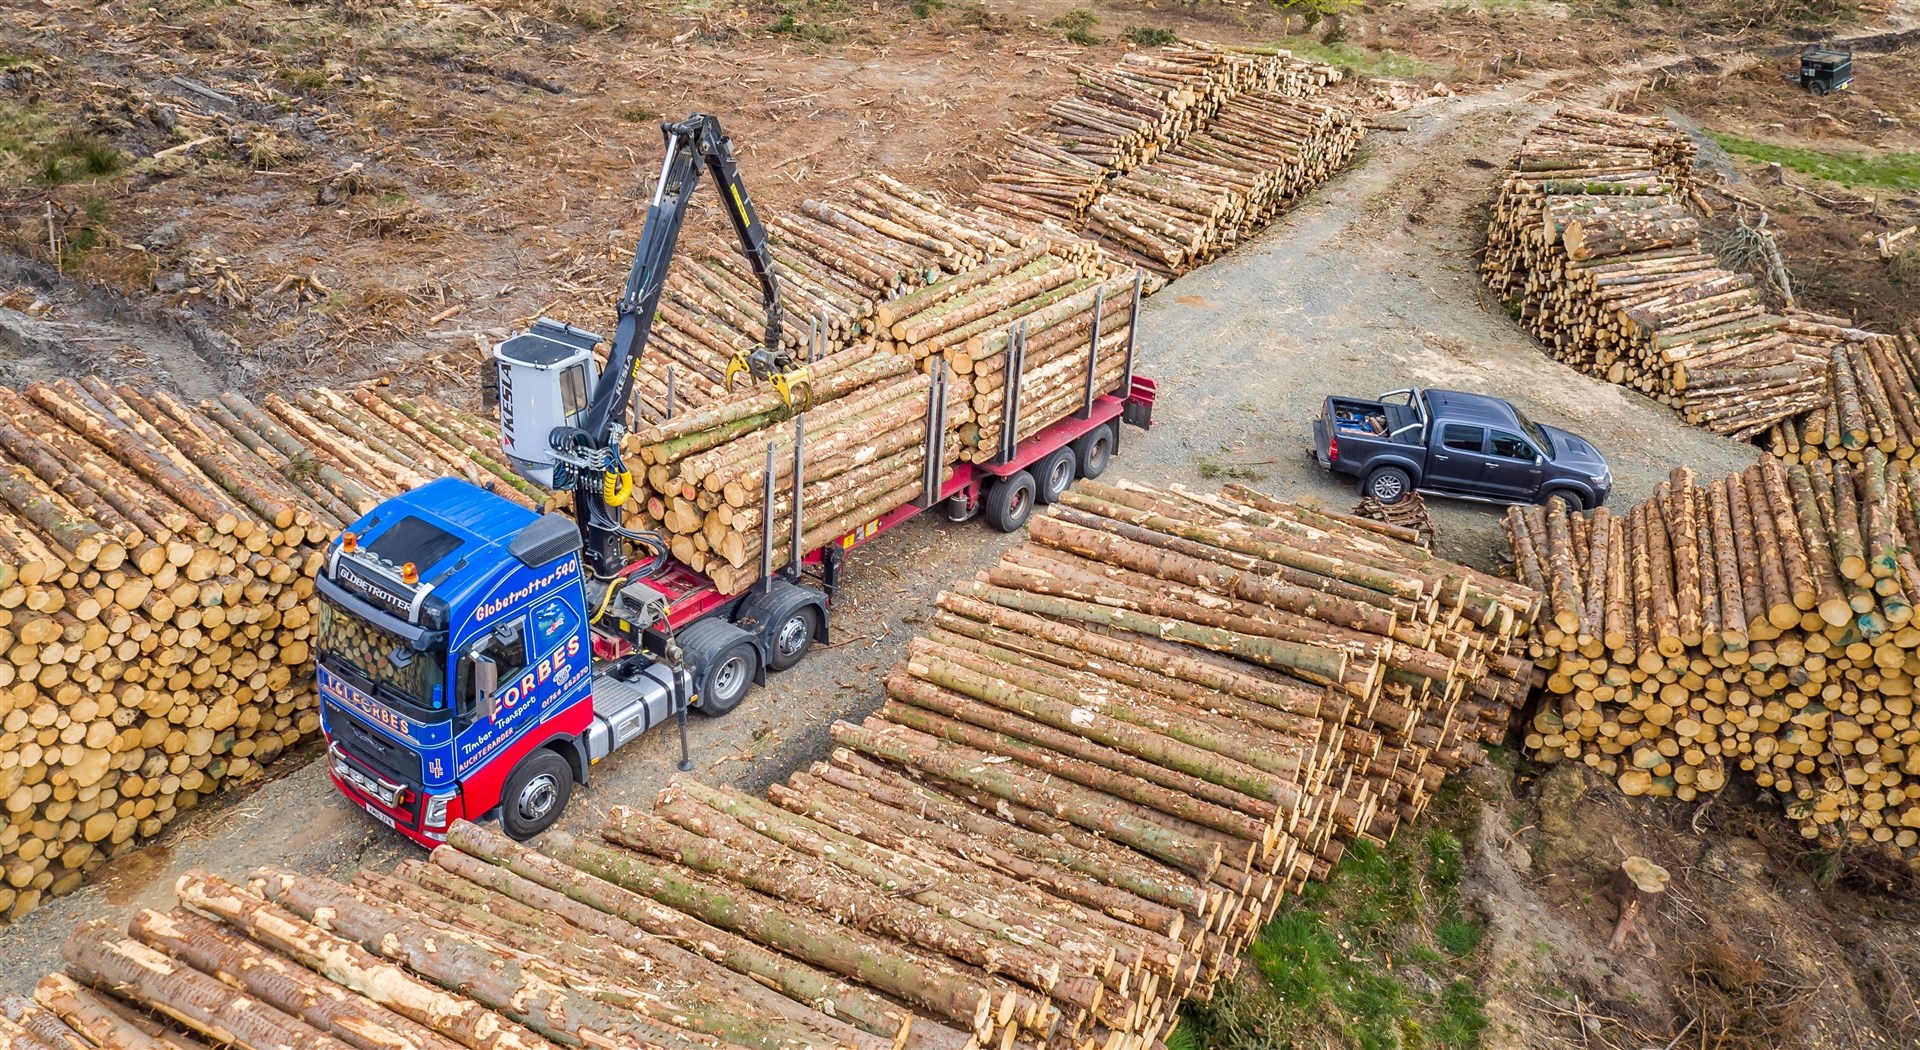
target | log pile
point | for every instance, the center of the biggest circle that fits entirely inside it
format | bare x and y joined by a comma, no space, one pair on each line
1119,118
1761,622
1866,394
155,595
837,263
1255,157
1592,238
1066,819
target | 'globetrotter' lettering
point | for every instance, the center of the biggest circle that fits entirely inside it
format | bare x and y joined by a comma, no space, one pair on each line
501,604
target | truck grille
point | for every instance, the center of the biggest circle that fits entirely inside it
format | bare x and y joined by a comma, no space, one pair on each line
376,752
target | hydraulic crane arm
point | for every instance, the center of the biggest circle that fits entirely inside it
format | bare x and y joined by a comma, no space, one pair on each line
691,142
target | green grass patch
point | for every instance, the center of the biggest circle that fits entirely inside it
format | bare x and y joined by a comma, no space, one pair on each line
1387,63
925,8
1079,25
1884,171
1378,957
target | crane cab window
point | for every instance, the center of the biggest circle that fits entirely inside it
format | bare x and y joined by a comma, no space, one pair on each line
1509,446
1462,438
573,390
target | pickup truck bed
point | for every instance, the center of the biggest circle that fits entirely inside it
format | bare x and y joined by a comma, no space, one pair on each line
1375,419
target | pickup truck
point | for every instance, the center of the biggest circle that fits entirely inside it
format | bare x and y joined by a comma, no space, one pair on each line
1449,443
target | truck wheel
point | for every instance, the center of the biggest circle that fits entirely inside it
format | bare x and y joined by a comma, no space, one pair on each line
1095,451
1010,502
725,662
1052,476
793,638
1389,484
534,795
1574,502
1817,88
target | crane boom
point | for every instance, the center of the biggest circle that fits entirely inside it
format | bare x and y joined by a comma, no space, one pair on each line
560,434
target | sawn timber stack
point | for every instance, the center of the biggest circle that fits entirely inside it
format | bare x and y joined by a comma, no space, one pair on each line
1760,622
156,563
1066,819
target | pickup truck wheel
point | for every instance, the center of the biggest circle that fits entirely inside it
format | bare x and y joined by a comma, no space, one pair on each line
1573,500
1010,502
1053,475
1095,451
1389,484
535,794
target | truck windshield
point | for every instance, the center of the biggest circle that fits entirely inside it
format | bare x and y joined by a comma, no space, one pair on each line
385,664
1538,436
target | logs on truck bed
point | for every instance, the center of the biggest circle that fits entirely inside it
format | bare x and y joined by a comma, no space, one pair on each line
1762,621
156,600
1067,818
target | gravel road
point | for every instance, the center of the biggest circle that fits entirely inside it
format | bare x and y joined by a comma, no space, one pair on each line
1369,285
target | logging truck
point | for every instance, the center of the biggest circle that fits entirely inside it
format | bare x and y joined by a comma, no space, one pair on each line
476,658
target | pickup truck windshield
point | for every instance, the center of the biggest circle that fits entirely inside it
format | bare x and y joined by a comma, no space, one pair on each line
384,660
1535,434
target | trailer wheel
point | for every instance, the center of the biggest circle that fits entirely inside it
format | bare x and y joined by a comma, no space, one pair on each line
727,664
793,638
1817,88
1010,502
1095,451
535,794
1054,475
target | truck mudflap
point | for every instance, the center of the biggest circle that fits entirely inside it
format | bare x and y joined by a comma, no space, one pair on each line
1137,409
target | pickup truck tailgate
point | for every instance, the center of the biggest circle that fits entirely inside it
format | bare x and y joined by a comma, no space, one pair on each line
1322,444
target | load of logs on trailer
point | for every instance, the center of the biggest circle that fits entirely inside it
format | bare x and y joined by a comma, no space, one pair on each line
155,573
1592,238
1762,621
1067,818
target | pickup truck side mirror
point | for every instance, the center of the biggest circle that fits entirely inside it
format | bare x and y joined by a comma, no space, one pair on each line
486,679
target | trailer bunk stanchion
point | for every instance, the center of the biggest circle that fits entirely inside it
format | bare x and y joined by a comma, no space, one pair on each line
766,523
1010,401
794,553
1093,352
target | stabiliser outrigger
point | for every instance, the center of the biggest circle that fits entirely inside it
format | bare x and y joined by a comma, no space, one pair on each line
600,480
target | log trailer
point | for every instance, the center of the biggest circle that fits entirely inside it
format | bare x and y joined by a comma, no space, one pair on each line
476,658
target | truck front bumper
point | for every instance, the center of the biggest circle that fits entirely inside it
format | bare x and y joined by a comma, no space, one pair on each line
421,817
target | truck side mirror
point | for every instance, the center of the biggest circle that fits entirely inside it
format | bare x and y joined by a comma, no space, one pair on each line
486,679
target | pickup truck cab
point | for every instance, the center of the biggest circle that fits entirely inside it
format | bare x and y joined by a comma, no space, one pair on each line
1449,443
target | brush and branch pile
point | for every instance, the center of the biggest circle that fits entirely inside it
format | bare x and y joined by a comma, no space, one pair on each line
1067,818
156,610
1760,622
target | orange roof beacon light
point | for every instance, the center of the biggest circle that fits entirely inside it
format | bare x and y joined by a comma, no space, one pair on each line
350,542
409,574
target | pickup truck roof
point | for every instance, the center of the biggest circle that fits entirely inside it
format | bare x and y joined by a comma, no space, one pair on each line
1456,407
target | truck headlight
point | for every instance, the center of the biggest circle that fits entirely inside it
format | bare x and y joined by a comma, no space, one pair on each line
436,814
1601,479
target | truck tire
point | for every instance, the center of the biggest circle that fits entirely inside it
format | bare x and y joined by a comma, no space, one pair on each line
725,665
1094,450
1575,502
1389,485
1054,474
535,794
793,638
1010,502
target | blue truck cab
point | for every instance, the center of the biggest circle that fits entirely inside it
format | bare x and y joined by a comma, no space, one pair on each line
457,669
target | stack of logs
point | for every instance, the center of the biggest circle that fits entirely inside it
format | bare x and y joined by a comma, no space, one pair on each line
1592,237
1039,841
1261,150
155,583
1145,105
1869,396
1764,621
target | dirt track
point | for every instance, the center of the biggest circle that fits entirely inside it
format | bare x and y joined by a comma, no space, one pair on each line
1368,286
